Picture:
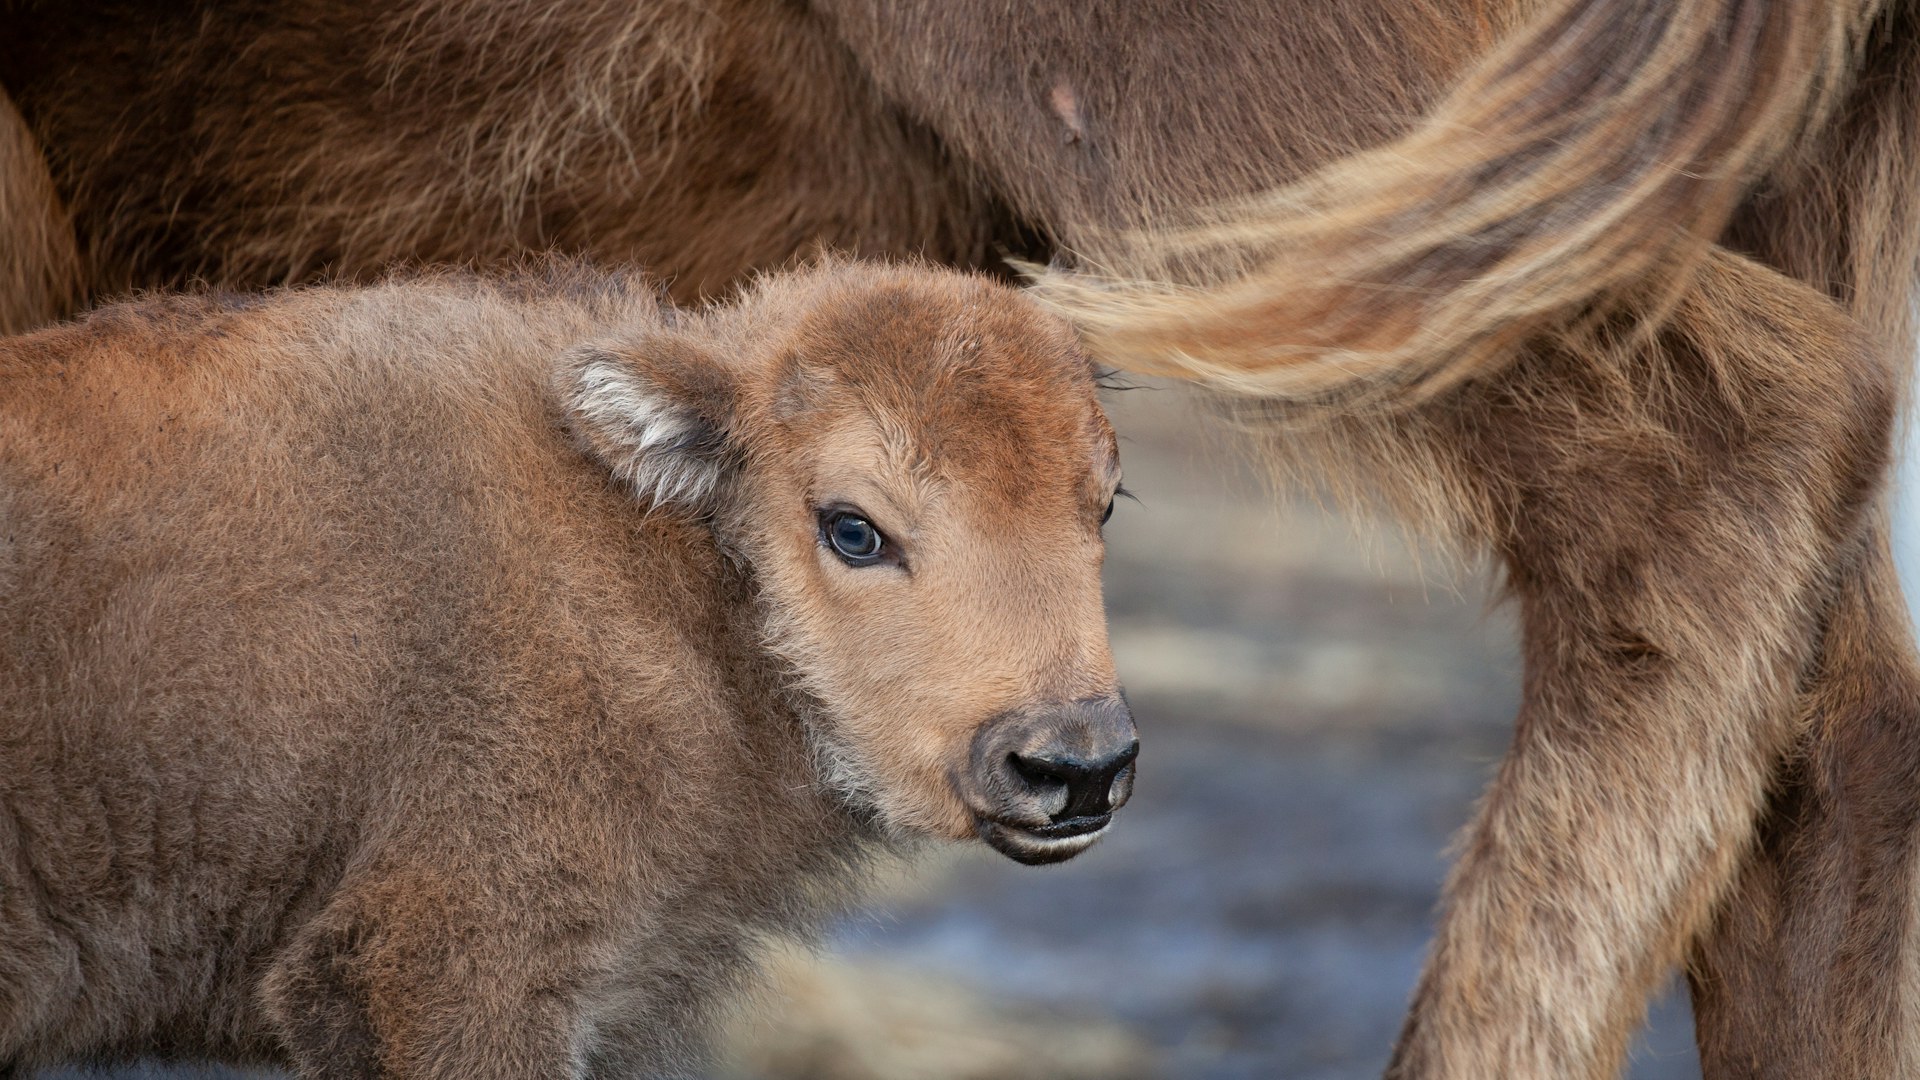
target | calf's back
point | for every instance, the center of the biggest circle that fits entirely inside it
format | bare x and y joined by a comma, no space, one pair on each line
287,587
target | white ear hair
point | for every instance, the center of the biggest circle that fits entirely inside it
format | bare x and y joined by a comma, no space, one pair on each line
660,447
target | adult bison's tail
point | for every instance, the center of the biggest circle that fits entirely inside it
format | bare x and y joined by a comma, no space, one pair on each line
38,261
1584,164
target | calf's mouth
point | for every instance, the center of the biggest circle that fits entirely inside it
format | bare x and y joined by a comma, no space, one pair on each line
1040,845
1043,782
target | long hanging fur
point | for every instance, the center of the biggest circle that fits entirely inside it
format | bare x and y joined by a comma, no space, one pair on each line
39,268
1588,160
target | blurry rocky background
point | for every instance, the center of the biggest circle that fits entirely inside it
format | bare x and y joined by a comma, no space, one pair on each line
1319,704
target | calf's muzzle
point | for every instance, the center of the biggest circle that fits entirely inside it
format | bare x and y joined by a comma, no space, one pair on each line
1044,781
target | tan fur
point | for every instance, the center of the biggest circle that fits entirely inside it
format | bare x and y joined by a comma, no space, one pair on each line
1810,967
355,718
1670,567
1623,309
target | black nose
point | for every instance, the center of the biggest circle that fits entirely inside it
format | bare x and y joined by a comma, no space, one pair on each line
1089,782
1067,764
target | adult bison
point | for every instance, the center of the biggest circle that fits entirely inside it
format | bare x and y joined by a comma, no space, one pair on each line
451,679
1625,309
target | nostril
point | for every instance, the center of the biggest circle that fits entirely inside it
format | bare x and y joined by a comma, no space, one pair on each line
1120,785
1038,772
1084,788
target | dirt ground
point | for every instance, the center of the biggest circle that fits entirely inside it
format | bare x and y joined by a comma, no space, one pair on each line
1319,705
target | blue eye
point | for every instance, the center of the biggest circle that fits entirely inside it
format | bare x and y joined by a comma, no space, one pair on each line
852,537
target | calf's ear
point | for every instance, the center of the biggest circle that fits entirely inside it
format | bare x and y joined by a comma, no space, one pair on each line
657,410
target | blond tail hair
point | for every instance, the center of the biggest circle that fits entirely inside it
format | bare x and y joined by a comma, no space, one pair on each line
1581,168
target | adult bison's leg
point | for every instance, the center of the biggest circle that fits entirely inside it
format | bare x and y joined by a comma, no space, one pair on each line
1809,970
1812,968
1668,511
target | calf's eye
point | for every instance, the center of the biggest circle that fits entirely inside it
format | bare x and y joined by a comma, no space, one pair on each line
852,537
1107,514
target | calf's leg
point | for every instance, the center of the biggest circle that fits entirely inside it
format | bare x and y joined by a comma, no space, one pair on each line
413,975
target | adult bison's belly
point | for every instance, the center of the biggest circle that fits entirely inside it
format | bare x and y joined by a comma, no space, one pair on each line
255,144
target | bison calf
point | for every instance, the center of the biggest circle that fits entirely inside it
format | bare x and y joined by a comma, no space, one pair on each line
453,679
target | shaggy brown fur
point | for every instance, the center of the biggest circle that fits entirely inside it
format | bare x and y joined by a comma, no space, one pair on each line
1622,310
662,133
355,718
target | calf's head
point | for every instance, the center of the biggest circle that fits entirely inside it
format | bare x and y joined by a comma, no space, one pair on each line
916,468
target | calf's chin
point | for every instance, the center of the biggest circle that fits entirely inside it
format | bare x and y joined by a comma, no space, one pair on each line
956,672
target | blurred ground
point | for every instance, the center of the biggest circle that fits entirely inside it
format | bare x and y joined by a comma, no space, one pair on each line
1316,718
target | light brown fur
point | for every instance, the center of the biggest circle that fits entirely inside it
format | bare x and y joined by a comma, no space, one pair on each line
1624,309
359,714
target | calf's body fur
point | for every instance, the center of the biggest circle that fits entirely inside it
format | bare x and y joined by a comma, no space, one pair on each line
360,714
